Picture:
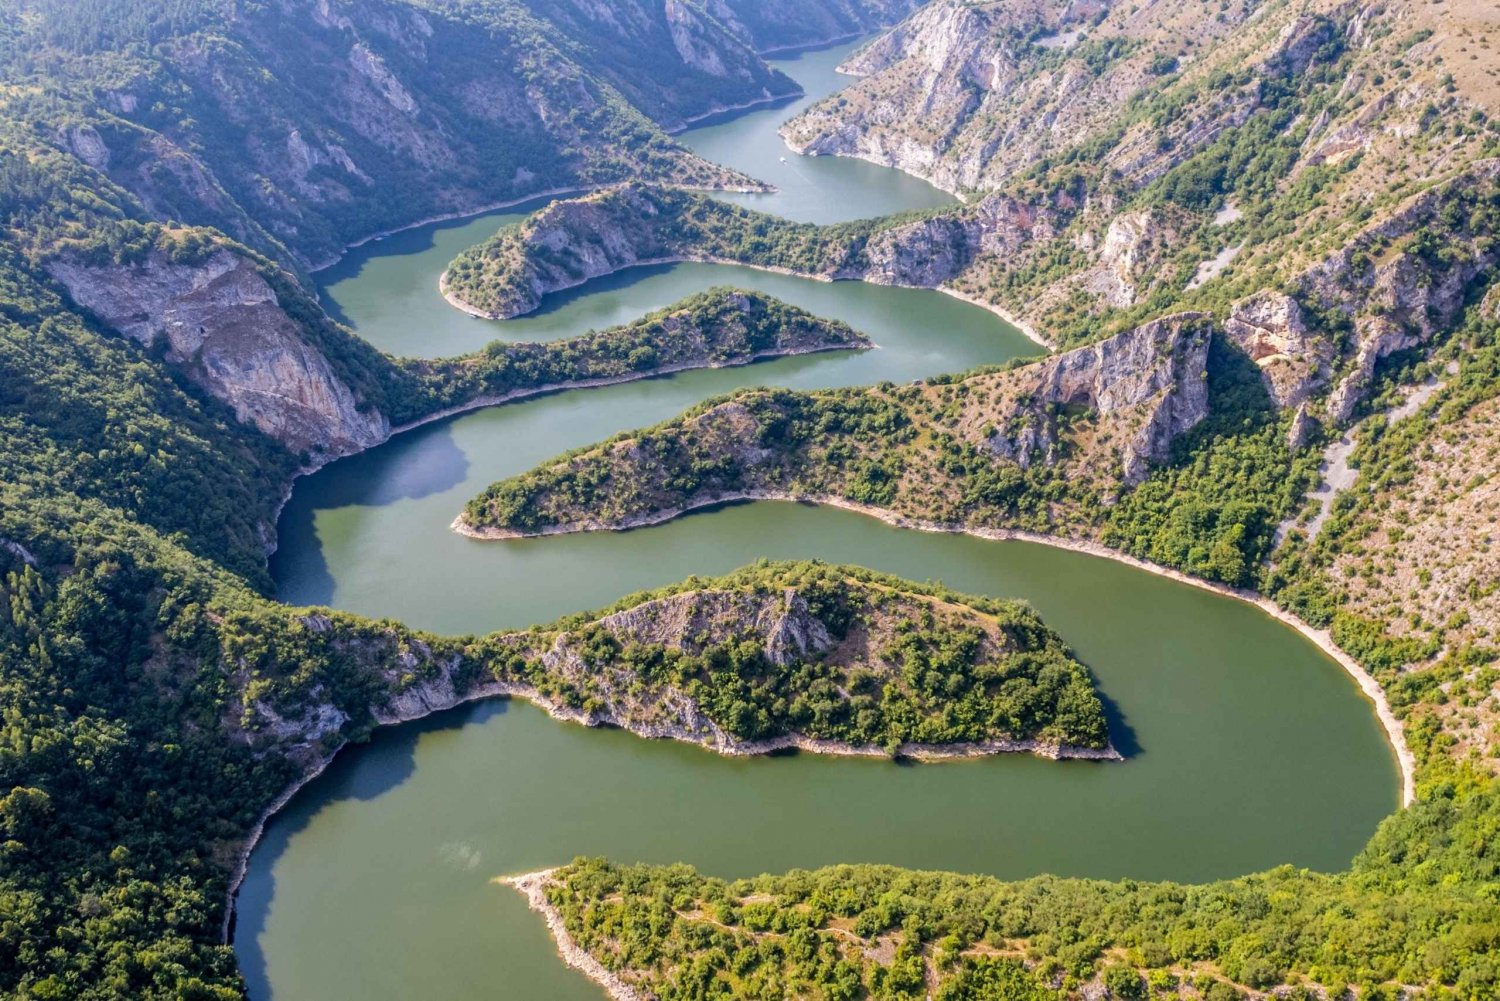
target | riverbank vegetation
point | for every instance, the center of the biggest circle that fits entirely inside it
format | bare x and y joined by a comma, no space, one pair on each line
723,326
573,240
1415,909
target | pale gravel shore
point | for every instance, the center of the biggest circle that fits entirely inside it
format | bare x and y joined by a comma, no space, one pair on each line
458,303
1321,638
533,886
716,741
1030,332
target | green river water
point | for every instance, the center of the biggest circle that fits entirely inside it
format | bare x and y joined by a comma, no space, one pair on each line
1247,747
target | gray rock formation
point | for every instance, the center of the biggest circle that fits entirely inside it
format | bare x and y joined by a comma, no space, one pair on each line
1394,286
1271,329
1153,378
221,322
968,95
702,619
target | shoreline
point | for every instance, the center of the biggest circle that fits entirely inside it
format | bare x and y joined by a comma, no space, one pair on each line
451,216
516,395
689,122
1025,329
714,742
453,299
1321,638
533,886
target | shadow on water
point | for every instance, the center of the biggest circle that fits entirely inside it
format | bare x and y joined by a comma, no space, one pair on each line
1121,733
552,302
422,462
419,463
383,764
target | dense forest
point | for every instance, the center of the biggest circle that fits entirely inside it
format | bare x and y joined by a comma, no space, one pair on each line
1416,908
407,98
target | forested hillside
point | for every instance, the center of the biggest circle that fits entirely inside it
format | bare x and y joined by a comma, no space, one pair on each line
278,123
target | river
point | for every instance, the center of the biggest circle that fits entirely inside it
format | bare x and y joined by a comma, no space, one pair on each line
1247,746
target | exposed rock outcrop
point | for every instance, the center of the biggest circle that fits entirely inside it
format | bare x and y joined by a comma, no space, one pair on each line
968,95
221,322
302,110
1395,286
708,618
1271,329
1154,375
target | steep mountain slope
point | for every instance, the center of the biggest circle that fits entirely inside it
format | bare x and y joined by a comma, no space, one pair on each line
975,452
779,24
280,123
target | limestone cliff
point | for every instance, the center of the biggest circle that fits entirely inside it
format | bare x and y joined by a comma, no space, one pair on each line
1152,379
967,94
221,322
1392,287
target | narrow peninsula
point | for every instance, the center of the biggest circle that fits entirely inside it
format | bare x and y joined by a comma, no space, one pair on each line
830,659
714,329
574,240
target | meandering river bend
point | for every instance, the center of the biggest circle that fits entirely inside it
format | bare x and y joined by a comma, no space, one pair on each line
1247,746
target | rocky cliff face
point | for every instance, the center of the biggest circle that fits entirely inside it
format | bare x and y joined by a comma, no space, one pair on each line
702,619
1272,330
935,251
1150,382
221,322
968,95
1394,286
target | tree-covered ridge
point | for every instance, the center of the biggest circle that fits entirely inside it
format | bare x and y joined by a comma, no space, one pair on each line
1416,913
203,110
839,655
723,326
773,655
85,419
573,240
1047,446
